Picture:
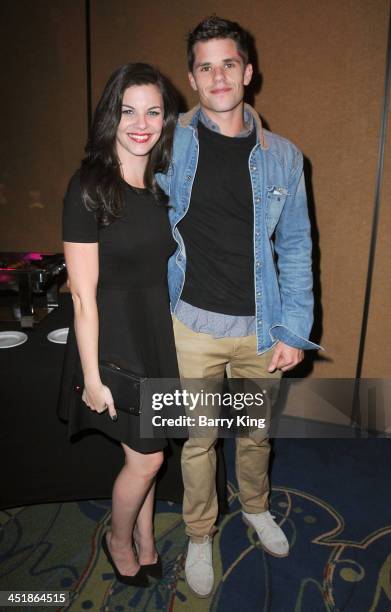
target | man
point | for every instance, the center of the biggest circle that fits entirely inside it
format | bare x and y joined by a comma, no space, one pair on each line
238,196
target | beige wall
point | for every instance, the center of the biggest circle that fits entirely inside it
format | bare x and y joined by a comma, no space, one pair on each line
323,69
43,125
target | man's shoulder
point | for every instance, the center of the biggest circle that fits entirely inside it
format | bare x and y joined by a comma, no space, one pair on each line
183,136
286,151
184,123
275,141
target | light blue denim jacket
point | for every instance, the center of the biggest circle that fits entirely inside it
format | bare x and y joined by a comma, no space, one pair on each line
283,290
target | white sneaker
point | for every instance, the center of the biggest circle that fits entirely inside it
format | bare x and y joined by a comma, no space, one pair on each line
271,536
199,568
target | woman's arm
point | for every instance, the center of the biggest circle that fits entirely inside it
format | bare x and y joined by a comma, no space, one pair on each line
83,270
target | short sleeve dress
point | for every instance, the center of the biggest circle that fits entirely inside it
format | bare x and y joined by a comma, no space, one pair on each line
135,326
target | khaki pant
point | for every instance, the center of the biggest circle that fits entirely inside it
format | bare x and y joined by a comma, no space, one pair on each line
202,356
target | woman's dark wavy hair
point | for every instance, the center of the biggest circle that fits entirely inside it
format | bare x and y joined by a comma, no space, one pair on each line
100,174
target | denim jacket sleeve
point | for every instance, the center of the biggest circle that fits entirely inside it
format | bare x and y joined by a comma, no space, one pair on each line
164,180
294,250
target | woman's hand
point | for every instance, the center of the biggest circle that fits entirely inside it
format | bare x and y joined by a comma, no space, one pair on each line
98,398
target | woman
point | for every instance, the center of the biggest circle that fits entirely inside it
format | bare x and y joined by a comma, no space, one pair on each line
117,241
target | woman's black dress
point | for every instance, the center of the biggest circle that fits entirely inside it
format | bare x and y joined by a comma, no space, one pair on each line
135,328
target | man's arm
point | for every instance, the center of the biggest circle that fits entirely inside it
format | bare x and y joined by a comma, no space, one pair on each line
293,247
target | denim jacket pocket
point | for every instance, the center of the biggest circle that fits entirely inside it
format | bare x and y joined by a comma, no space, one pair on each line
275,200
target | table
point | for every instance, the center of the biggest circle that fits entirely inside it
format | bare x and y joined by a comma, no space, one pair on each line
38,462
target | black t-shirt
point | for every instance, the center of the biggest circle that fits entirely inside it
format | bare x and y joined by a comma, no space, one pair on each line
218,227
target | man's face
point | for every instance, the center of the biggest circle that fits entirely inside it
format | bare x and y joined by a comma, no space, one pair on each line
219,74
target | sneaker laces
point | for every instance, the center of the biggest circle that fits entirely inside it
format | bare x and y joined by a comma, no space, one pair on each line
270,520
266,520
203,549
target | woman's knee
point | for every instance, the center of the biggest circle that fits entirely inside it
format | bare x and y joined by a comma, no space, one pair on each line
146,466
153,463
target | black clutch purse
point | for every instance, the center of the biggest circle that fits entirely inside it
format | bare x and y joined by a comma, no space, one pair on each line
126,388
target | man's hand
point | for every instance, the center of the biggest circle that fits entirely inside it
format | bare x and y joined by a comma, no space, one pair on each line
285,357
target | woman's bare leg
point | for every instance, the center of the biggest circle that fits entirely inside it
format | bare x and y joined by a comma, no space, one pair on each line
131,488
143,531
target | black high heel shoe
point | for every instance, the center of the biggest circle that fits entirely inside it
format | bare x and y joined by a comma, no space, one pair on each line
155,570
138,580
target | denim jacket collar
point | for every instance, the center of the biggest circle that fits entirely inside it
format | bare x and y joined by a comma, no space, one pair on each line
190,119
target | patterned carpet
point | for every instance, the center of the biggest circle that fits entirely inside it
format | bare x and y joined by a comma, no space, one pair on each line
338,523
